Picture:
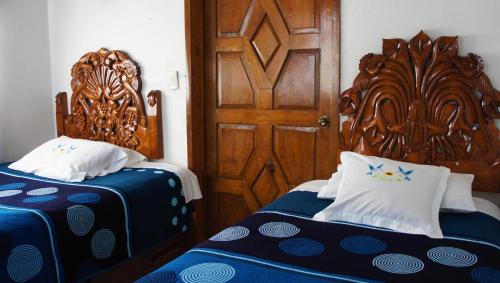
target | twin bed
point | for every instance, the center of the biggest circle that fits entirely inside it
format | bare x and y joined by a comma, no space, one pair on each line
69,229
419,102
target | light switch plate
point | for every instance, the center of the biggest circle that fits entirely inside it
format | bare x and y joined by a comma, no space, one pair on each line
173,80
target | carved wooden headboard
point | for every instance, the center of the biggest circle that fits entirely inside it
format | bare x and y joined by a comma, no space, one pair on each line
107,104
421,102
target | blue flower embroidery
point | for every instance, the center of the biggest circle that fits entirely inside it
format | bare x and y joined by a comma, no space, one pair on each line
400,175
63,148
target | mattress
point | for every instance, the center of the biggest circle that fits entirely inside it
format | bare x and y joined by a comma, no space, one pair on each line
281,243
53,231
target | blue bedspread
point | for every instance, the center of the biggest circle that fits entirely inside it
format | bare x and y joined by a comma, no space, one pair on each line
282,244
52,231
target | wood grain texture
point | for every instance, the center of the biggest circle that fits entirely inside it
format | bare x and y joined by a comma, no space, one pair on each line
421,102
230,26
301,16
298,85
107,104
195,107
235,146
234,84
266,86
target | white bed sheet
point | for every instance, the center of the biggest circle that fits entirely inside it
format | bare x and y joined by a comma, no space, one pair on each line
190,185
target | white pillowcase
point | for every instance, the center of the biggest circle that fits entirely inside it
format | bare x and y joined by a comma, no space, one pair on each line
133,157
329,191
457,196
381,192
72,160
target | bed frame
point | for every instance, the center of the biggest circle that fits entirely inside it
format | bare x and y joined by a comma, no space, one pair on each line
107,105
419,101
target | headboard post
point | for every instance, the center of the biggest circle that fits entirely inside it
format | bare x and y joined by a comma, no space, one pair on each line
107,104
421,102
61,111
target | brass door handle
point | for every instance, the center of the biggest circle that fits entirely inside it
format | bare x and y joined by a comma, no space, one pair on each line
324,121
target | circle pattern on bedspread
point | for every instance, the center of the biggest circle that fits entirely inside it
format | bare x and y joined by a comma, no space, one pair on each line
85,198
24,263
141,170
174,201
452,256
278,229
485,274
231,234
12,186
171,182
398,263
184,209
39,199
80,219
301,247
208,272
43,191
160,277
8,193
103,243
175,220
158,172
363,245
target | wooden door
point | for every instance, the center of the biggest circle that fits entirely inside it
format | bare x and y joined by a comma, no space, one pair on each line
271,73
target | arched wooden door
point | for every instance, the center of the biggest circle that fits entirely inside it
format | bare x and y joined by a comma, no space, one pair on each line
272,72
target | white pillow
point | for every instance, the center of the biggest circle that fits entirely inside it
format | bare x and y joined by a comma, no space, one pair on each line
72,160
457,196
329,191
133,157
381,192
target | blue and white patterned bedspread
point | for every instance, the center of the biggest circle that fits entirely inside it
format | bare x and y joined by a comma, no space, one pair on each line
282,244
53,231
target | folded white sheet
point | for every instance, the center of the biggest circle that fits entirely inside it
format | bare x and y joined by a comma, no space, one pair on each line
190,185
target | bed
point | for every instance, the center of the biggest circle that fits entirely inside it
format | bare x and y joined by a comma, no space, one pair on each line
59,231
418,102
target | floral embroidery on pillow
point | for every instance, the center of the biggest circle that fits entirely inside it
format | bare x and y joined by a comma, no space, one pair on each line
63,148
379,173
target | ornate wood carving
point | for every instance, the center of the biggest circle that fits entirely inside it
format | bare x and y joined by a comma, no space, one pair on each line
107,104
421,102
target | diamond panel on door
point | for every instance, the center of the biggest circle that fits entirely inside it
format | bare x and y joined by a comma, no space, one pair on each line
265,42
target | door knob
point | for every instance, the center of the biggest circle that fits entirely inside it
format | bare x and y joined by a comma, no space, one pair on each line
324,121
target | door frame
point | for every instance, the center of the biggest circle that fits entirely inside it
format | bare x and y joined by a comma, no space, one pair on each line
194,11
194,17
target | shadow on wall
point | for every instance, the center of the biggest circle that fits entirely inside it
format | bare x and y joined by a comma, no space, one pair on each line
26,118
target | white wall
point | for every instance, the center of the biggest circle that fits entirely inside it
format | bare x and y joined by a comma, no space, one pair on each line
151,32
25,93
365,22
